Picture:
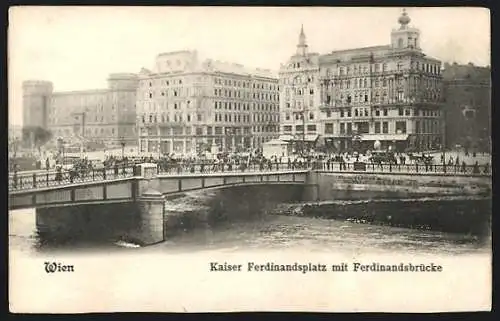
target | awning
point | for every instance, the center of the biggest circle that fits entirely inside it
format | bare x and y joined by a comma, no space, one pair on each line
276,142
311,138
299,138
286,138
384,137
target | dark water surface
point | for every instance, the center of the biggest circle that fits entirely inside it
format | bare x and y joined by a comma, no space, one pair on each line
406,225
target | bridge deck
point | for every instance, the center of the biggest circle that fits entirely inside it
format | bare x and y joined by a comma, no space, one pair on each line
48,180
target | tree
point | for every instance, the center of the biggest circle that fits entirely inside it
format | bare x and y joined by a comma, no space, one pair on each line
36,135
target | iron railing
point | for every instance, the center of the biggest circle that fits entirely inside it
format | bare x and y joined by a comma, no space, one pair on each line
50,179
66,177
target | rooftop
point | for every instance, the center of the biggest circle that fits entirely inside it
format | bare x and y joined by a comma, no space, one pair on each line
469,71
235,68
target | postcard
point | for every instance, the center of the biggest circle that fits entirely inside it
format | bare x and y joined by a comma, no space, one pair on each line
235,159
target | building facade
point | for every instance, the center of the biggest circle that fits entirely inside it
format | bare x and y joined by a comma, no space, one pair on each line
391,94
187,106
105,116
467,91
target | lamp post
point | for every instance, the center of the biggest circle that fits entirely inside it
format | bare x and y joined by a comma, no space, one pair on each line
122,143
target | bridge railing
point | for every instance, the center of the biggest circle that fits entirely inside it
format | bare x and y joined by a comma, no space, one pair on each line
49,179
459,170
66,177
197,168
466,170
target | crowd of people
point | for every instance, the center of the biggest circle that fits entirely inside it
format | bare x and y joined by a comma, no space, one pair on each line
82,167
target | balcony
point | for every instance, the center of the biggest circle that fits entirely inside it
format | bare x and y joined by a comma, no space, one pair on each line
325,107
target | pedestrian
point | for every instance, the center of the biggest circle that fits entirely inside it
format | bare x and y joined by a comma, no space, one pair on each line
486,168
475,170
58,173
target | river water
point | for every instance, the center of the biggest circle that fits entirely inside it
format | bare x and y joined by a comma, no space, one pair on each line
269,229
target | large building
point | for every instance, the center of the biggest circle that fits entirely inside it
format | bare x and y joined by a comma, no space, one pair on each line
391,94
467,91
104,116
186,106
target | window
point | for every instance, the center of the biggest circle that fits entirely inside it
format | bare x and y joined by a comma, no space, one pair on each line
342,128
366,112
400,111
287,128
377,127
287,116
349,128
356,112
150,95
385,112
311,91
328,114
342,113
328,128
349,113
407,112
299,128
377,113
311,116
311,128
385,127
400,127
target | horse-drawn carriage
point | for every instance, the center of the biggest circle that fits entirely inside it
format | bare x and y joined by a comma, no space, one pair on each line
80,169
421,159
383,157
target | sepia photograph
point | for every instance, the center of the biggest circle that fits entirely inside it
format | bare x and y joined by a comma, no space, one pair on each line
236,159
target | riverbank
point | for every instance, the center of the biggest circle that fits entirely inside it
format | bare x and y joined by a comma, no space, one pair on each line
454,214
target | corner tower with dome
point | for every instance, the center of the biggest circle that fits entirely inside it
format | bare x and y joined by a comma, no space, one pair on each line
353,98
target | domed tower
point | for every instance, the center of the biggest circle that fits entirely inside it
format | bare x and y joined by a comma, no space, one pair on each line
405,37
37,95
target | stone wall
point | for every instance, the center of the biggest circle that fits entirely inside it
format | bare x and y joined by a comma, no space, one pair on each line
333,186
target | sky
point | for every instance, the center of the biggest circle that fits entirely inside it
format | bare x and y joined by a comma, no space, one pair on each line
77,47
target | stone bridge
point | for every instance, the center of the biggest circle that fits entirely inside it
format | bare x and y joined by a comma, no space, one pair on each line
143,195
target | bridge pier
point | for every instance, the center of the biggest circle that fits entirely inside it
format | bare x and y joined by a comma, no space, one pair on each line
151,223
311,187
